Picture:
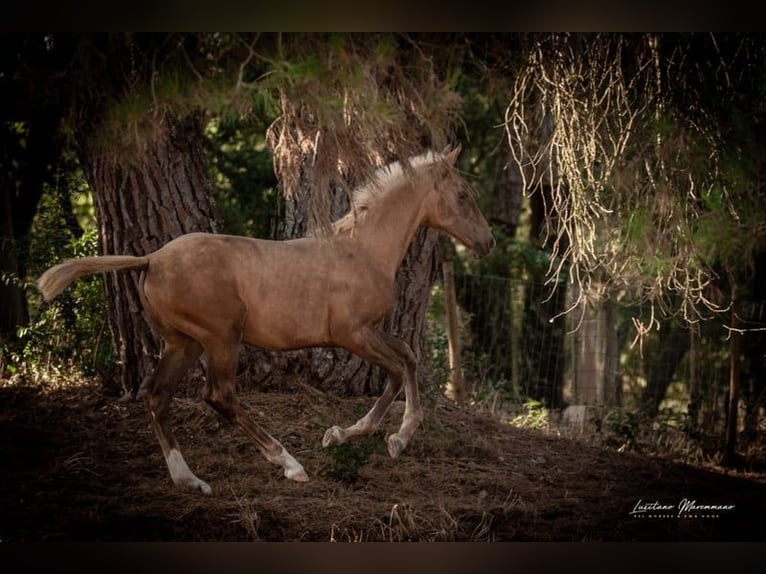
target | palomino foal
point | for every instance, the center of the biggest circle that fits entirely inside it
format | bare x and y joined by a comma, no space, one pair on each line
208,293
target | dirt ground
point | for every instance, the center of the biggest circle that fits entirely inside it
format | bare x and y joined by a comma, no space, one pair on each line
81,466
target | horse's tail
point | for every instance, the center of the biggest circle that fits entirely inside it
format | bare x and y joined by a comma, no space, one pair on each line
58,277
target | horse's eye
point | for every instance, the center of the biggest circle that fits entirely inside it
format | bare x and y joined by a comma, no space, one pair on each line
462,196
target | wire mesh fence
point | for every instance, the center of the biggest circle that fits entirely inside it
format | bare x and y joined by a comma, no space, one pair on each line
518,340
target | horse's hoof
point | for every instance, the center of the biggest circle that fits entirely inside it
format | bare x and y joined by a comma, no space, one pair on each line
298,475
197,484
332,436
395,445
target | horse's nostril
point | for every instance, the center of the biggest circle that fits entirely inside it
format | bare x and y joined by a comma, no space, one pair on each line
488,246
483,248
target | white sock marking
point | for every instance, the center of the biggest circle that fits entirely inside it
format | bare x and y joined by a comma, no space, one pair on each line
293,469
182,474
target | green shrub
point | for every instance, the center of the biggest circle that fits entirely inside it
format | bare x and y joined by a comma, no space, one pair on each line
71,333
347,459
535,416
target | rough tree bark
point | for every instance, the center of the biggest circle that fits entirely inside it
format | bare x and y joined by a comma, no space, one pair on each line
142,202
735,357
596,357
364,109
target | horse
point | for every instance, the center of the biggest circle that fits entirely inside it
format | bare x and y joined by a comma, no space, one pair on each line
210,293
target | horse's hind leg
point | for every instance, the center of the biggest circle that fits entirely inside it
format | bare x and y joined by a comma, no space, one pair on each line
219,394
179,355
398,359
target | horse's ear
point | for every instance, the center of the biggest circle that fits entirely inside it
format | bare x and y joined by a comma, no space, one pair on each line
451,156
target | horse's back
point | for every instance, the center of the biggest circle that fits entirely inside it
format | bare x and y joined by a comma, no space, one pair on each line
275,294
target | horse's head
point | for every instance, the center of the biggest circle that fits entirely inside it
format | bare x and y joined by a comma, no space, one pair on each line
451,206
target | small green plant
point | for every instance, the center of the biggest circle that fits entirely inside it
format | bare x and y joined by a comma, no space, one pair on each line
349,458
535,416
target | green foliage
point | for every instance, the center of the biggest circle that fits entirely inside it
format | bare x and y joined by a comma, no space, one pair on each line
436,338
347,459
70,333
243,175
534,416
669,434
622,424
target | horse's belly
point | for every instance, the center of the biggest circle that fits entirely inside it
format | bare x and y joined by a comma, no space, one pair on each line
283,329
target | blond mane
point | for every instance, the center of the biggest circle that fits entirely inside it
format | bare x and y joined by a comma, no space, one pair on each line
384,180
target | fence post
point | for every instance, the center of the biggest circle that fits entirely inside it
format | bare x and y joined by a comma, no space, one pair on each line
694,385
730,452
456,386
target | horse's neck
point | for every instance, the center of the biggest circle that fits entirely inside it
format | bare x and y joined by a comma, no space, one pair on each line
388,228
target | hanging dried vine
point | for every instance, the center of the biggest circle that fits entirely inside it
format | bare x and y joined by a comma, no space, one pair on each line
350,103
645,207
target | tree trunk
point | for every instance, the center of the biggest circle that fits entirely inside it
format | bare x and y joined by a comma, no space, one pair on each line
13,303
674,345
20,192
327,137
695,391
596,369
456,385
732,407
143,202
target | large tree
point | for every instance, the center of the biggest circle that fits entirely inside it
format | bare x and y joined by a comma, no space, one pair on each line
144,161
359,101
137,105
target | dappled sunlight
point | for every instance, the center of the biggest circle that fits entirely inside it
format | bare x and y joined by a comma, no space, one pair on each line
50,379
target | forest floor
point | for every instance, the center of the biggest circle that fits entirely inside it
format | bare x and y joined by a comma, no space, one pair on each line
78,465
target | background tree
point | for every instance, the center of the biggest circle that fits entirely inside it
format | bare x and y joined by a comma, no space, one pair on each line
29,145
137,106
655,185
351,103
147,170
133,107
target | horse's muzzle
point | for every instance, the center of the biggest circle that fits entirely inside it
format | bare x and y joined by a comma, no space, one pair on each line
483,248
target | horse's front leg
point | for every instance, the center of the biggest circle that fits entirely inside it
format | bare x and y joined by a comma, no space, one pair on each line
398,359
413,415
